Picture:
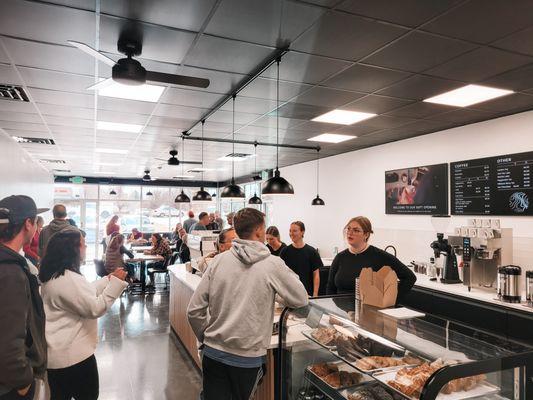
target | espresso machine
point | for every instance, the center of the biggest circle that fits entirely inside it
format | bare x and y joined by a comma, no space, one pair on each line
444,251
482,256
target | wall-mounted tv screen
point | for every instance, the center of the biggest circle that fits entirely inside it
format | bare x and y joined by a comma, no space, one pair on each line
498,185
417,190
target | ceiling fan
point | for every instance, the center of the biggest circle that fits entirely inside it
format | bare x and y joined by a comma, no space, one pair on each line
173,160
129,71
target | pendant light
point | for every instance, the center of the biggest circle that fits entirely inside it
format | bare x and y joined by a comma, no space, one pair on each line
255,199
277,185
233,191
149,193
317,201
182,197
146,176
112,192
202,195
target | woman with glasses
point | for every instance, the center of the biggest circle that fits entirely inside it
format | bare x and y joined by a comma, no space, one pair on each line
347,265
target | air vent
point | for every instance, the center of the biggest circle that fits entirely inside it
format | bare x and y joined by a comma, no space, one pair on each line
15,93
236,157
35,140
51,161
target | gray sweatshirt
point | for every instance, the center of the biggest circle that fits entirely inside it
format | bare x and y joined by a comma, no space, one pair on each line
55,226
232,309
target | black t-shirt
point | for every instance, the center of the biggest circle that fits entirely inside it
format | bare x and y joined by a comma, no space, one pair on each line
278,251
304,262
347,266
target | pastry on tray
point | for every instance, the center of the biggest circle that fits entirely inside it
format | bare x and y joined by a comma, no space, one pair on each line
323,369
364,394
326,336
410,381
375,362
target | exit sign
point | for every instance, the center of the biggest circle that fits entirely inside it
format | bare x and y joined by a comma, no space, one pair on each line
77,179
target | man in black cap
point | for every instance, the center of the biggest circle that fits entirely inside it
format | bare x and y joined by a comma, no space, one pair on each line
22,336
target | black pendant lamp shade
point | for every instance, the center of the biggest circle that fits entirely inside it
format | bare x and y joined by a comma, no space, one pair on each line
255,199
277,185
146,176
112,192
202,195
317,201
182,198
232,191
149,193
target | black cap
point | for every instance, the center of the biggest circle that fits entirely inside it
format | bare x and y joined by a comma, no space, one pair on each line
15,209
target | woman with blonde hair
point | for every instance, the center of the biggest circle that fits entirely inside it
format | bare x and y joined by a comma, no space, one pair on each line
347,265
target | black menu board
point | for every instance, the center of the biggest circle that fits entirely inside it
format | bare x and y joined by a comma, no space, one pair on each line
417,190
493,186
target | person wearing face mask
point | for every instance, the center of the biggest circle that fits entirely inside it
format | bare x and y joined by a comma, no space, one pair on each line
303,259
347,265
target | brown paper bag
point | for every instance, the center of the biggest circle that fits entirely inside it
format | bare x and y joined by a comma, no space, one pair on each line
378,289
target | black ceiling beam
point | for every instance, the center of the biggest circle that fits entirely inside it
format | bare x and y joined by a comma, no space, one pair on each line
138,182
277,54
251,143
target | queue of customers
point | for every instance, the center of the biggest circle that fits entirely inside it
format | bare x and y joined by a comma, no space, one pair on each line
233,340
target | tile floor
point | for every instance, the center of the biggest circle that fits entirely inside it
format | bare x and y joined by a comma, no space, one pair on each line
138,356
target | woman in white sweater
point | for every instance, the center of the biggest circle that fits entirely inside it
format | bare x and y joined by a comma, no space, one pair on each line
72,306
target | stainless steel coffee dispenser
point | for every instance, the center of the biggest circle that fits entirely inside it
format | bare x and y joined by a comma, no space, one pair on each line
509,277
529,288
487,254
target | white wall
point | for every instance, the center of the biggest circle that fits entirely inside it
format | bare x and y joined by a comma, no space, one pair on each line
20,174
353,184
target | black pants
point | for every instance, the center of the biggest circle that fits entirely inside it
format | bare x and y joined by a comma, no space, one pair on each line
79,381
224,382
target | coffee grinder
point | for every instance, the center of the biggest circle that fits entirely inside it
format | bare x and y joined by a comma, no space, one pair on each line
441,248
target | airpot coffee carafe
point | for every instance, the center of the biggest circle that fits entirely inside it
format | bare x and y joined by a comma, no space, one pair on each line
509,283
529,288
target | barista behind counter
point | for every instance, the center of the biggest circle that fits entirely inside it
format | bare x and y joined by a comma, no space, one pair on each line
347,265
224,243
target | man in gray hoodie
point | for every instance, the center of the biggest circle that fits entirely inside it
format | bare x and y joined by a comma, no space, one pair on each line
232,310
59,223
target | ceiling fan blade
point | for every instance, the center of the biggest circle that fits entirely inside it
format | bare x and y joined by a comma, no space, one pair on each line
191,162
92,52
160,159
177,79
101,85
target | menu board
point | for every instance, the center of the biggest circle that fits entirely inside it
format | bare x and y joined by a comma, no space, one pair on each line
417,190
493,186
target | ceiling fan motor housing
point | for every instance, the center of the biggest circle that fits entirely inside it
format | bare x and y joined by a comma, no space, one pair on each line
129,72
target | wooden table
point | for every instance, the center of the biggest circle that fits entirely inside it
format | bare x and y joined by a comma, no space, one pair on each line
142,258
140,249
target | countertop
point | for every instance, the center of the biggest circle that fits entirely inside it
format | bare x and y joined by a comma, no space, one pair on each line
476,293
192,281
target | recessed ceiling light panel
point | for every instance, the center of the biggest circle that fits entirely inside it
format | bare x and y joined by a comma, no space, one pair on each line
118,126
343,117
468,95
331,138
235,157
111,151
145,92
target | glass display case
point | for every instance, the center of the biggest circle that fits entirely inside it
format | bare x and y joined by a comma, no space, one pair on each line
339,349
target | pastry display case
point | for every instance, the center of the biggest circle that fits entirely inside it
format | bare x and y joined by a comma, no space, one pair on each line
336,348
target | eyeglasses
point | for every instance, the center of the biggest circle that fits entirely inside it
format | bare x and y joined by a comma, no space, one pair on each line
354,230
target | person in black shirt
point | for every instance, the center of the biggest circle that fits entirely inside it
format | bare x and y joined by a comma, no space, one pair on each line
303,259
274,243
347,265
